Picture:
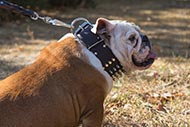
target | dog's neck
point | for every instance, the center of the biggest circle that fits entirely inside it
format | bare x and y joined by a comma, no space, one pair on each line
91,59
95,44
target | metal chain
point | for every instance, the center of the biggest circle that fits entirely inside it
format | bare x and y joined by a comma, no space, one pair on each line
35,16
51,21
57,22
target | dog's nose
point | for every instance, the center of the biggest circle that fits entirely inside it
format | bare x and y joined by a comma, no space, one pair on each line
145,41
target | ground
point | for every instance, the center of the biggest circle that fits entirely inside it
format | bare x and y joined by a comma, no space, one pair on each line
157,97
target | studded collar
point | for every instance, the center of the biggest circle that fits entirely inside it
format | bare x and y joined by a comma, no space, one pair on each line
97,46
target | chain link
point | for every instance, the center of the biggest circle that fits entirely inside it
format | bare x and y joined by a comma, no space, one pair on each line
35,16
57,22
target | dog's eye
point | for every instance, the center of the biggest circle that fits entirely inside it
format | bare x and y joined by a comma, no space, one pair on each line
132,38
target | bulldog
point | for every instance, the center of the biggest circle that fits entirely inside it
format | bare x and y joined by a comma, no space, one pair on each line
67,84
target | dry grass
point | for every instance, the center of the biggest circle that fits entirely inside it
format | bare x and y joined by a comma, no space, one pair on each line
157,97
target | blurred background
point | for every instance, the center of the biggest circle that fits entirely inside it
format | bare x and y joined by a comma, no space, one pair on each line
166,21
158,96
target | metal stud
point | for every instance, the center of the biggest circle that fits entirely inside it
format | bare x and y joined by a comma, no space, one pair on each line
110,62
113,59
106,65
114,69
110,72
95,53
104,46
118,66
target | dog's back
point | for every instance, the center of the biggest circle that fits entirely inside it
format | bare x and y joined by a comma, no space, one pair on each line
56,90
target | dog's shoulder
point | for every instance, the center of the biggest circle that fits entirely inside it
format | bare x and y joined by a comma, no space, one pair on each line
58,63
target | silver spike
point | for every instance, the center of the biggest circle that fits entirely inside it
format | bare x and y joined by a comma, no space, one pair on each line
110,72
110,62
113,59
106,65
118,66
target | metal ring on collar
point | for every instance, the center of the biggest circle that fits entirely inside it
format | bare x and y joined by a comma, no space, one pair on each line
77,20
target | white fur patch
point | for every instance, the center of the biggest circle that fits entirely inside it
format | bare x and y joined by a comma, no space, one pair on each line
97,64
94,61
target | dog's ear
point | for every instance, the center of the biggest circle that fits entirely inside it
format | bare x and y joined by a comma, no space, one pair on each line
102,26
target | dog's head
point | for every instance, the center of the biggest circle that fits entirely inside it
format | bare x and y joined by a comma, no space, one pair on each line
126,41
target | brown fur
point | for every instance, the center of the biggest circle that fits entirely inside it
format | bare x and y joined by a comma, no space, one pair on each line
60,89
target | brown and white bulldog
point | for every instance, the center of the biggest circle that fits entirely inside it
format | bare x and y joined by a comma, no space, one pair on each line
66,85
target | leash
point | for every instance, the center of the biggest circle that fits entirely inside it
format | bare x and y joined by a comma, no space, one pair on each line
35,16
92,41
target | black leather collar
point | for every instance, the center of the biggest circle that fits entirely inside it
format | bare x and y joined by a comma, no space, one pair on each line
97,46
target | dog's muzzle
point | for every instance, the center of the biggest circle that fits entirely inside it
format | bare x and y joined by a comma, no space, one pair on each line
149,58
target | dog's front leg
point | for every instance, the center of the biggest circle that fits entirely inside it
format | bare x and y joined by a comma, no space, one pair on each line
93,118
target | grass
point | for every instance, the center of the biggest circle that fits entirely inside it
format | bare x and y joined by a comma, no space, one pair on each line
157,97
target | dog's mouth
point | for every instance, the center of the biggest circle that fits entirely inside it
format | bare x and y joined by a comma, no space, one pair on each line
145,57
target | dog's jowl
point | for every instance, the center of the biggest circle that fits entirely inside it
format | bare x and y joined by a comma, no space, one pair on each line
67,84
